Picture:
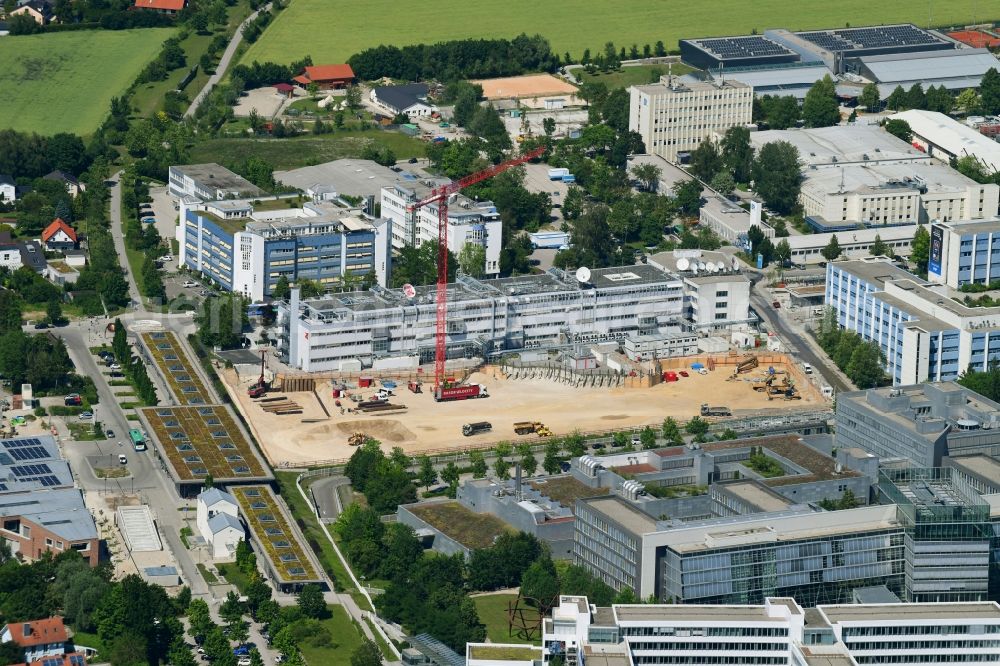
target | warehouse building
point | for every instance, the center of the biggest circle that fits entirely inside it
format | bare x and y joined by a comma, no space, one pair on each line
776,630
954,69
247,247
673,118
385,326
924,334
743,51
348,178
947,139
838,47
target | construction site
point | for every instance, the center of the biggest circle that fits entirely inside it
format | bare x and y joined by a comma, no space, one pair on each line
303,419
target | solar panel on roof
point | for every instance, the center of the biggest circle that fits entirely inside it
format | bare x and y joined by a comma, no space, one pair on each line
49,481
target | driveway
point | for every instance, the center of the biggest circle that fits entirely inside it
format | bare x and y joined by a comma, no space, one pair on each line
119,240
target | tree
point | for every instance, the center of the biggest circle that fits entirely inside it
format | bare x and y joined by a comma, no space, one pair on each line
687,196
11,653
879,248
472,259
968,101
989,92
870,98
866,366
450,474
352,97
671,431
896,99
366,654
899,128
915,97
199,619
776,174
311,602
780,112
782,251
549,126
427,473
723,183
501,467
648,176
551,462
647,436
820,108
705,160
231,610
282,289
940,100
10,311
478,463
697,426
737,153
832,249
920,248
53,312
540,582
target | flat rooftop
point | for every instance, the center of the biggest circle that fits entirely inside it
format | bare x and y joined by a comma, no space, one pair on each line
820,467
885,177
219,177
891,613
32,463
623,513
176,368
756,494
352,177
978,465
469,289
681,613
842,144
969,227
687,87
875,271
470,529
606,655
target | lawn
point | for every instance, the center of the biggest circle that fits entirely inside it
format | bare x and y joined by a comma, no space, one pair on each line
346,639
304,28
303,150
234,577
492,609
632,76
64,82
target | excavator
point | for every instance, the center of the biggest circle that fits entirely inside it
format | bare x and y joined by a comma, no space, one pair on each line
259,389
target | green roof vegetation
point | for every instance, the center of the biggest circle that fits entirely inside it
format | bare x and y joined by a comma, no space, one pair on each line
202,440
230,226
566,490
173,363
284,551
472,530
505,652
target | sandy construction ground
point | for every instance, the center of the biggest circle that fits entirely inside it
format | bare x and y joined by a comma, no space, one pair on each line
430,426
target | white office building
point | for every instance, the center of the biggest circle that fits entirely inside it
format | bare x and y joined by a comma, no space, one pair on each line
966,252
778,631
716,292
385,328
209,182
673,117
468,222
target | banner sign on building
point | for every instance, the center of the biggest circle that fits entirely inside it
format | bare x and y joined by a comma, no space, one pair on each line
937,243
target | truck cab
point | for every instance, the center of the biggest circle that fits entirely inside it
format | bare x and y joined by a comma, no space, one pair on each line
470,429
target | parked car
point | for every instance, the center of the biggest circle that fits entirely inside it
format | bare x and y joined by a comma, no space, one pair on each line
149,220
41,326
167,257
776,305
85,416
115,366
683,373
189,283
116,375
244,661
109,433
636,440
122,460
72,400
598,446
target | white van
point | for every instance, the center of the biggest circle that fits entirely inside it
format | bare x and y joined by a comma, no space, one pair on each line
827,391
122,460
806,368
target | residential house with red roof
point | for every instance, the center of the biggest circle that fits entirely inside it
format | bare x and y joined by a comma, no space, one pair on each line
169,7
39,638
59,236
327,77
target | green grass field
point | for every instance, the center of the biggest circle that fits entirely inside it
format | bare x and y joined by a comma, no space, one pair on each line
63,82
346,639
331,31
492,609
633,76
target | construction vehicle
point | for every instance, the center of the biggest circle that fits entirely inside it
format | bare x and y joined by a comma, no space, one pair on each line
543,431
470,429
466,392
440,197
415,387
260,388
746,365
357,439
526,427
707,410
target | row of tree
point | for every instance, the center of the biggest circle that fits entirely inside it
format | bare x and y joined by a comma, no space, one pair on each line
862,361
775,170
132,366
459,59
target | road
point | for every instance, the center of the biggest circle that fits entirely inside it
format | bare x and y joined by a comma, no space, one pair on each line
798,344
220,70
118,235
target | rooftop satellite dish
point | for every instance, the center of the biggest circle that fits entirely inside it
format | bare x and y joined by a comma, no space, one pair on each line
701,265
714,267
409,291
683,264
736,264
583,274
694,268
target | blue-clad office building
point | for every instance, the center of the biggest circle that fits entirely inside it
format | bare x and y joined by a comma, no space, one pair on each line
248,249
924,333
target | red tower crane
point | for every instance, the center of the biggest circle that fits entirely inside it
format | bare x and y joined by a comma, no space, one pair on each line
440,196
